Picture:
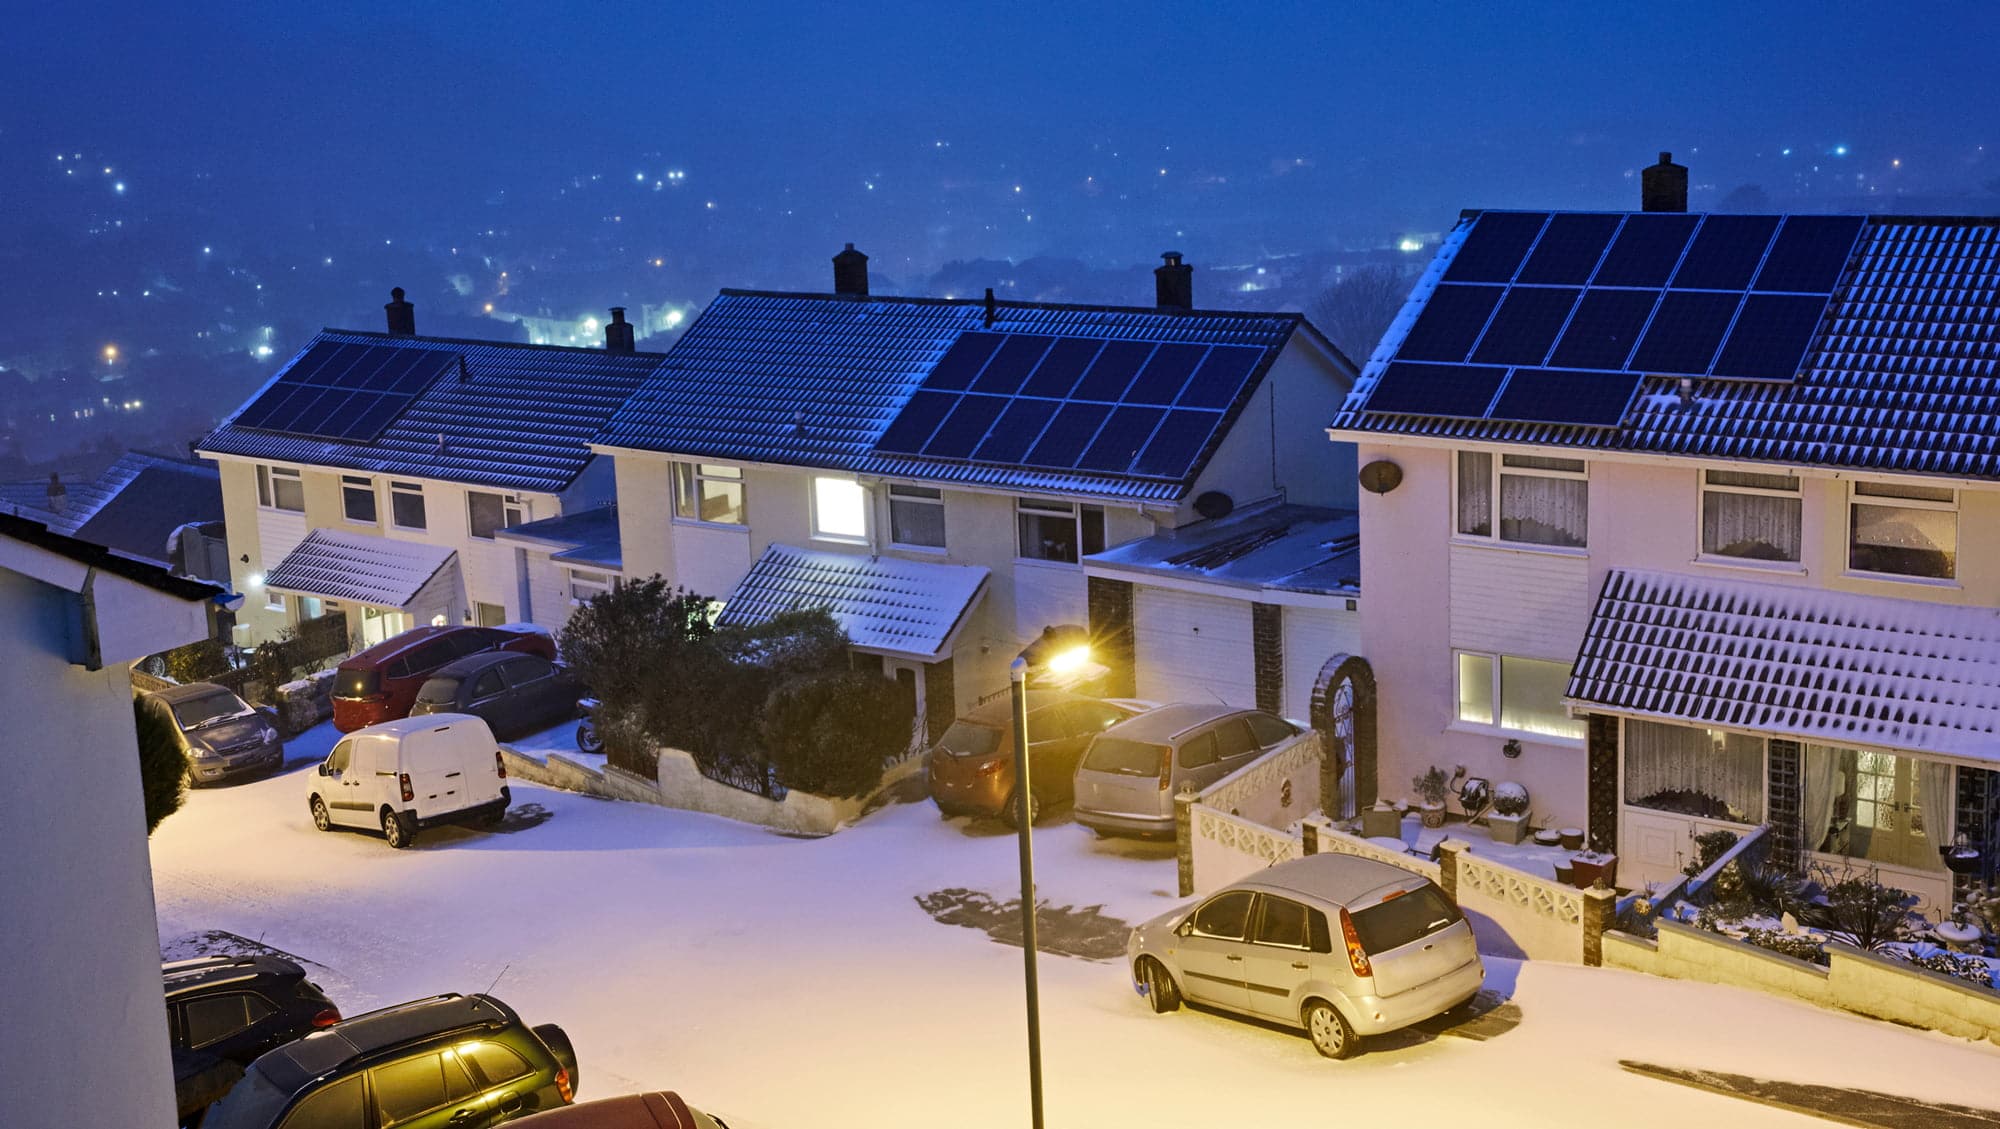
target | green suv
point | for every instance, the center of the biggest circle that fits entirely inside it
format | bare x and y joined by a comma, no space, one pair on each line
454,1061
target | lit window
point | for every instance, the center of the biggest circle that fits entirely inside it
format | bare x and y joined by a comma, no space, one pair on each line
1707,773
583,585
280,488
1518,694
1903,530
839,509
707,492
1877,806
916,516
1058,531
488,615
1750,516
1540,501
406,505
357,498
486,513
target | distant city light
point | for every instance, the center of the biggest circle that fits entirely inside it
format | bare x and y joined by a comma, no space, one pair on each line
674,318
262,351
1896,162
1410,245
1840,150
640,177
489,307
208,250
659,262
110,353
119,188
590,324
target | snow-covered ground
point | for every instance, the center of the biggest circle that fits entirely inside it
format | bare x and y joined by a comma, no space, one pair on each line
789,983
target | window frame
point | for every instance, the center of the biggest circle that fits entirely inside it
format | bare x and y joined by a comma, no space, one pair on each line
1249,916
819,530
187,1021
1855,499
352,484
1081,516
398,490
926,496
1497,666
1498,469
687,479
1703,488
1255,934
574,580
512,510
268,477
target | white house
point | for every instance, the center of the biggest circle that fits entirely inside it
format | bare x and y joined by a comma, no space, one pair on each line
785,432
1693,522
373,472
87,1028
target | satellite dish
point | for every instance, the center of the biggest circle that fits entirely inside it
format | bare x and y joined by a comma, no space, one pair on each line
1381,476
1214,504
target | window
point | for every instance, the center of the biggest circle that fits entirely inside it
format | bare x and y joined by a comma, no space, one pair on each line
1705,773
1088,718
1540,501
1751,516
485,512
1268,730
1903,530
338,1106
1877,806
487,685
1233,739
496,1062
488,615
1404,919
406,505
839,509
584,585
215,1018
1226,916
916,516
357,498
707,492
526,670
1198,751
280,488
336,761
1527,692
1059,531
1282,921
408,1089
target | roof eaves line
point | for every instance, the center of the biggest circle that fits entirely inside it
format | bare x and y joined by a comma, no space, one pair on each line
1012,304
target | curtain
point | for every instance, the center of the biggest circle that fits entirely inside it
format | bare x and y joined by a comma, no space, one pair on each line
1693,771
1756,526
1934,799
1822,782
1475,494
1544,511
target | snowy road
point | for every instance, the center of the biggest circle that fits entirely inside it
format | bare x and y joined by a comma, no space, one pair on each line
791,983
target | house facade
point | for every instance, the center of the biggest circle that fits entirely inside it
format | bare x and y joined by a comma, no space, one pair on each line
787,432
372,475
1687,523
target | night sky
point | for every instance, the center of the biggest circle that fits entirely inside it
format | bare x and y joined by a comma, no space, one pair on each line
278,166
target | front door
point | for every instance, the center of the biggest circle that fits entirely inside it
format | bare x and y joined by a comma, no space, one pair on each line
1211,950
910,680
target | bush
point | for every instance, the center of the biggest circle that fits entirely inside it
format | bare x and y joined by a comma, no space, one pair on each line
829,733
163,768
1967,968
195,662
1861,911
621,642
1800,946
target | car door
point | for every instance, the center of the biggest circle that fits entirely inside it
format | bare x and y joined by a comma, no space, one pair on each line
340,1104
1235,746
345,792
1279,956
427,1090
533,688
229,1025
1211,949
505,1078
487,698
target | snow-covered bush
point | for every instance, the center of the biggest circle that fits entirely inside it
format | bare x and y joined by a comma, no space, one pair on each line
1923,954
1510,798
830,733
163,767
1808,947
1861,911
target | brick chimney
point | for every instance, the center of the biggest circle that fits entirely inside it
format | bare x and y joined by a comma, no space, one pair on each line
618,332
402,315
1173,283
850,273
1664,187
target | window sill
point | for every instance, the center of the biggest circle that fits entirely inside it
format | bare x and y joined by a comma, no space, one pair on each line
1749,564
1894,578
1520,547
1037,562
927,550
279,510
1522,735
840,539
697,523
358,522
409,528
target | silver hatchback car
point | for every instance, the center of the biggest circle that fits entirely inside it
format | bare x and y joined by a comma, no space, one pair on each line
1341,946
1126,781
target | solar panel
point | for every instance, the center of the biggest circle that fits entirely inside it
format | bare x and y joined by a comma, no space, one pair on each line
1526,325
1770,336
962,430
1059,370
1495,246
345,391
1176,443
1606,326
1221,377
1161,381
1725,253
1072,429
912,427
1573,396
1012,363
1112,371
961,363
1450,323
1569,249
1646,250
1123,436
1016,430
1809,254
1685,332
1408,388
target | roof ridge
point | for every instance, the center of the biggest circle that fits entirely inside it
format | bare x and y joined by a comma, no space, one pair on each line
1008,303
393,338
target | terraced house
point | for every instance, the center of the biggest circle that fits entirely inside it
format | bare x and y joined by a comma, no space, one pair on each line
1693,522
938,471
372,475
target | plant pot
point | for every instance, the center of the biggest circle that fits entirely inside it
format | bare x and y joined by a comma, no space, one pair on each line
1381,823
1959,938
1962,860
1432,815
1572,838
1565,873
1548,837
1507,828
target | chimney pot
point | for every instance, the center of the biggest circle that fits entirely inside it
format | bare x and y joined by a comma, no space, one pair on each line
618,333
58,494
402,315
1173,283
850,273
992,311
1664,187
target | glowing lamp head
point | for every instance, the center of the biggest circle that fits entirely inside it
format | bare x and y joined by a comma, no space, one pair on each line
256,580
1069,661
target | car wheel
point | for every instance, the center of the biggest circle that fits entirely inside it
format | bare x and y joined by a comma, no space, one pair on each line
1162,994
1009,811
320,819
397,830
1331,1034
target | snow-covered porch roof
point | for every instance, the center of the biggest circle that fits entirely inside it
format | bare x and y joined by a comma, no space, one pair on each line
903,608
1791,661
362,568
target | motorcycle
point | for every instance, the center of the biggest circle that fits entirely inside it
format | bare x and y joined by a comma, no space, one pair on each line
588,738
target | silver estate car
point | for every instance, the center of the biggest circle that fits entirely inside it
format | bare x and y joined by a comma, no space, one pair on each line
1343,947
1126,781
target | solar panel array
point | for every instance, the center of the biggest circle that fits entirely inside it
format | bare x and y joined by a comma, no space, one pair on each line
1556,318
1142,408
345,392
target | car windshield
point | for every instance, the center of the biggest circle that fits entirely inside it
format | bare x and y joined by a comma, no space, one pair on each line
197,712
253,1103
1122,756
354,683
1404,918
965,739
439,690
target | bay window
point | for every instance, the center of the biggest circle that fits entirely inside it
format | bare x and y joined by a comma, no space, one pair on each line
916,517
839,509
1750,516
1903,530
708,492
1531,501
1058,531
1519,694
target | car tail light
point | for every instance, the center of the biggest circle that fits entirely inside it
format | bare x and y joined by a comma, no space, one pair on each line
563,1087
409,793
499,764
1166,766
990,768
327,1016
1357,957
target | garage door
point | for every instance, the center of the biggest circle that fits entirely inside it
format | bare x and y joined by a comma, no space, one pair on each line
1312,636
1192,648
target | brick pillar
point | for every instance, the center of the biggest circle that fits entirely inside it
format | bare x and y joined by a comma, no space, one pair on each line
1601,793
1184,840
940,699
1111,634
1787,825
1309,836
1600,909
1448,868
1267,646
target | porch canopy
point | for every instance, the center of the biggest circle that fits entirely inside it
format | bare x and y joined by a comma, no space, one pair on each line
907,609
1793,661
364,569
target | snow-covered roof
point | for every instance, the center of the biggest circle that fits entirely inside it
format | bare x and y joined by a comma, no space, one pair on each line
1900,374
133,506
887,604
1288,548
586,537
358,566
1802,662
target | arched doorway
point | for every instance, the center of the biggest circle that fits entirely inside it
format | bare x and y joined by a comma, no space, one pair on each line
1343,710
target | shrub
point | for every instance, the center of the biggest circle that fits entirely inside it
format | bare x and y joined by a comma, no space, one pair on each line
163,767
829,733
1431,785
195,662
1936,959
621,642
1801,946
1861,911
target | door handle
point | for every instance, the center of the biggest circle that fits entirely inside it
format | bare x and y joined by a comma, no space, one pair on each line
1235,958
1300,965
465,1116
507,1102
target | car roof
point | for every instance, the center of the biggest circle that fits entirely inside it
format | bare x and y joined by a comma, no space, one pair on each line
187,690
1335,878
996,712
1170,721
299,1062
395,645
660,1109
181,976
472,664
404,726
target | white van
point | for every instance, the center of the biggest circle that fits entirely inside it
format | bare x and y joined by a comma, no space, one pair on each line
409,774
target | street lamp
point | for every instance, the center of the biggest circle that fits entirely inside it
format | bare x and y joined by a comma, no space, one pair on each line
1063,650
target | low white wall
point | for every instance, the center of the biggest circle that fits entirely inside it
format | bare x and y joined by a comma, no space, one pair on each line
1686,953
1227,847
1276,789
1340,842
1543,919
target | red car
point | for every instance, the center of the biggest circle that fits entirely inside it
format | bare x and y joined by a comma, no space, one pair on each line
381,683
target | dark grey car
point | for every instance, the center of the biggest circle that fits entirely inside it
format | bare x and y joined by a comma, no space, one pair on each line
512,693
223,736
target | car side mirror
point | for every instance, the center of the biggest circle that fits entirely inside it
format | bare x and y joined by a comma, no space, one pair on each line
1184,928
323,770
269,714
